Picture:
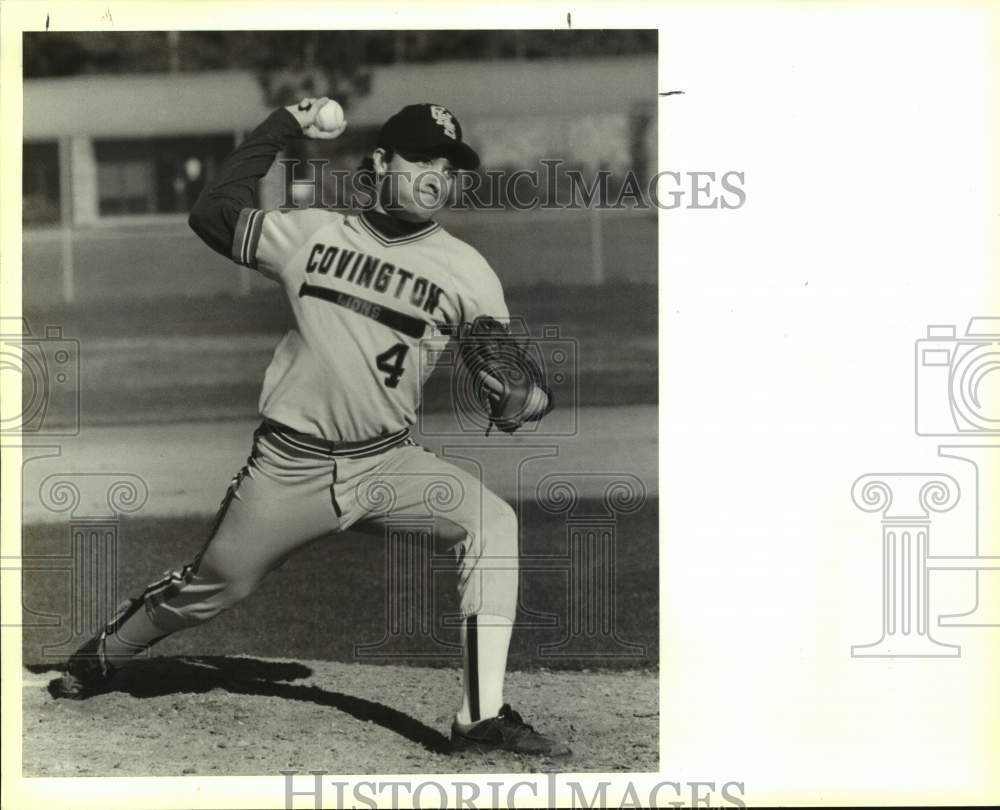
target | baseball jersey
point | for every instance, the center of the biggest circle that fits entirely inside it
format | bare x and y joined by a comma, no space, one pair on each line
370,313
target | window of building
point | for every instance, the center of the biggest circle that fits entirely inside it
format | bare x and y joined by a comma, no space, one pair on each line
155,175
40,183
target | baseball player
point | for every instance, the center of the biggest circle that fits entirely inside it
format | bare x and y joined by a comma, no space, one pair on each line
334,448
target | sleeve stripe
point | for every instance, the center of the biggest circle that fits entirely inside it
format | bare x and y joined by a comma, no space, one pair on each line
246,236
239,234
253,237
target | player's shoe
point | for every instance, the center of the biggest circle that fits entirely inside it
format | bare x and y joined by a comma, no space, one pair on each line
505,732
88,672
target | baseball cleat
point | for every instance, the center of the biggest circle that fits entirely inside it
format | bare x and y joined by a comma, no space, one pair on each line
88,672
505,732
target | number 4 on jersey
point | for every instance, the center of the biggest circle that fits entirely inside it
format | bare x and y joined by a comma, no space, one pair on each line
391,362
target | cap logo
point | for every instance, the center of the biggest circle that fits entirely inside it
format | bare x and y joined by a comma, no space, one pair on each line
445,120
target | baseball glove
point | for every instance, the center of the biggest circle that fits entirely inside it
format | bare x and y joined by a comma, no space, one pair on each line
510,384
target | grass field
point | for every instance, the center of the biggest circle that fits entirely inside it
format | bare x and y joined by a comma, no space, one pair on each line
204,358
332,597
163,259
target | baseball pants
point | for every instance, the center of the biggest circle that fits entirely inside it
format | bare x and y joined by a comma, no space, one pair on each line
295,488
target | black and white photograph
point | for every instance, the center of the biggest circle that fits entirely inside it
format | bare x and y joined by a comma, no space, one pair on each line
439,405
391,297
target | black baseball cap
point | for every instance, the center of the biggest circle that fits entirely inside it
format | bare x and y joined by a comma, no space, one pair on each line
428,130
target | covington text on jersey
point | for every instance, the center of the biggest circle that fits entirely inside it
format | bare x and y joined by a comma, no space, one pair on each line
375,273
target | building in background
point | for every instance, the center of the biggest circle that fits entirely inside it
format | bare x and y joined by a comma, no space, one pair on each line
120,151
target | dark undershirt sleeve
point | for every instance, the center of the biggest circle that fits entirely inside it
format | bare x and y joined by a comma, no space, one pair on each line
217,211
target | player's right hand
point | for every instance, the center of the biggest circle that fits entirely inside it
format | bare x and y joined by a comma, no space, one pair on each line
307,113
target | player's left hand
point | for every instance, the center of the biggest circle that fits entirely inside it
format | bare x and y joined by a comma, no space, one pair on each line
321,118
510,378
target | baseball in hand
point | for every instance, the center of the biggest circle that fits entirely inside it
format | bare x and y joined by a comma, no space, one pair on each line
330,117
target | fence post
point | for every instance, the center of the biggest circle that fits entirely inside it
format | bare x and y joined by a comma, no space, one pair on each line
66,218
596,245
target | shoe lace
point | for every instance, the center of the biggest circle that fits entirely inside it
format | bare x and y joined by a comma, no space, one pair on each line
514,718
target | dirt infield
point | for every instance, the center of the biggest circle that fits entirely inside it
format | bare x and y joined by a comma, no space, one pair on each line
244,716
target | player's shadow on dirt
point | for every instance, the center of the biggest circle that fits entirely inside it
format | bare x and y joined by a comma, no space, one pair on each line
157,677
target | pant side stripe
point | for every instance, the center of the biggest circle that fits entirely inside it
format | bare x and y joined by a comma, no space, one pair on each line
472,649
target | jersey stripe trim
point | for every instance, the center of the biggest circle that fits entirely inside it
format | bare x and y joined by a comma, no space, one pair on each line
409,325
389,241
247,236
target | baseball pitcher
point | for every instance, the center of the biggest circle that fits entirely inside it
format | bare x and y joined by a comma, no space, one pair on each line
341,393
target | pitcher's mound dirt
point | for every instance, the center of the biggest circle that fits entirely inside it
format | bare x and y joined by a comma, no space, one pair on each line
230,715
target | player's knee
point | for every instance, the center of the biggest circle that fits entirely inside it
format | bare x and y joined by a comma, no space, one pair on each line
226,597
236,592
488,582
502,512
199,604
500,528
